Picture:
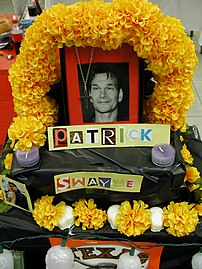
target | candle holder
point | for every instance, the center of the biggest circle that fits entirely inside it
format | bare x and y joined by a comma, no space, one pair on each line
27,158
163,155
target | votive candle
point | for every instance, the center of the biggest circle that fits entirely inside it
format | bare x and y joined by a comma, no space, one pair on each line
163,155
27,158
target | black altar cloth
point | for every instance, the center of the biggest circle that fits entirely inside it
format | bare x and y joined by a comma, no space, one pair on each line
159,184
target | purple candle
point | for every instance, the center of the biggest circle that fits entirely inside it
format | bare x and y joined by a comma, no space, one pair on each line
163,155
27,158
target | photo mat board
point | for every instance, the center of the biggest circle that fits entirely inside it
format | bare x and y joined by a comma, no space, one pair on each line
15,193
77,65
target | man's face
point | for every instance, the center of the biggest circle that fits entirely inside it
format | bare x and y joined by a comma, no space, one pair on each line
104,93
13,187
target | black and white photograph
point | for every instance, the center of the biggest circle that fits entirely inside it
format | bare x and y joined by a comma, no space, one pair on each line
106,92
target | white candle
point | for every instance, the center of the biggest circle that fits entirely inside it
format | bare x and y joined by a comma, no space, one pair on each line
163,155
157,220
67,219
27,158
111,214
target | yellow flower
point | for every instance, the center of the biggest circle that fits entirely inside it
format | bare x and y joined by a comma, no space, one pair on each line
45,111
199,209
180,218
192,174
134,220
27,131
186,155
88,215
1,195
46,214
193,187
184,128
181,138
8,161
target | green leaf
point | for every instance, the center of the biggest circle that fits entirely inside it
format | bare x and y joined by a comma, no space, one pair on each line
5,172
4,207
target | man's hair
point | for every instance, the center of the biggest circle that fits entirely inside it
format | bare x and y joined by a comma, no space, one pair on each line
11,183
110,69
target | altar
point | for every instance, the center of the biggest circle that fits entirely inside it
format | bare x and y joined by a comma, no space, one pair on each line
92,165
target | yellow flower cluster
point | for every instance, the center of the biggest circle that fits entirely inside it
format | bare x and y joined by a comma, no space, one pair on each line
133,221
1,195
160,40
192,174
27,131
87,214
198,207
46,111
46,214
180,218
8,161
186,155
192,177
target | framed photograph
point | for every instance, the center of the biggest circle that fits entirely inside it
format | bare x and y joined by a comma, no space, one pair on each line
15,193
101,86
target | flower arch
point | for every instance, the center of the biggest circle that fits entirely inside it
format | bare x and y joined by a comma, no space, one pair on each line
160,40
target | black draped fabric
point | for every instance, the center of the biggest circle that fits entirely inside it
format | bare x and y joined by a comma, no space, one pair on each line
159,184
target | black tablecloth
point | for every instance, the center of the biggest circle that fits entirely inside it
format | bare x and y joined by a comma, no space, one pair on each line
159,184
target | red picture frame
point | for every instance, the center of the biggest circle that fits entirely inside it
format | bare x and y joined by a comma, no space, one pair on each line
123,58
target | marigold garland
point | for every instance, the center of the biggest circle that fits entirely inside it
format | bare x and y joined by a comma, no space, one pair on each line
160,40
193,178
180,219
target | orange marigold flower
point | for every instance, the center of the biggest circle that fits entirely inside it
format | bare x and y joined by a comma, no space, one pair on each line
133,220
184,128
8,161
46,214
87,214
199,209
180,218
1,195
193,187
192,174
27,131
186,155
